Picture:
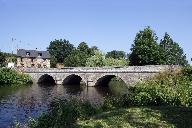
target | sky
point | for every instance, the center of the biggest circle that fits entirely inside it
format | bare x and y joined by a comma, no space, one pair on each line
108,24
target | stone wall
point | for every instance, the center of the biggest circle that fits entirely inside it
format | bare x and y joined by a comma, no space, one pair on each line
33,62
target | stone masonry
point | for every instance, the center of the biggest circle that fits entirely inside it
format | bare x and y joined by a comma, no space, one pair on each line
90,75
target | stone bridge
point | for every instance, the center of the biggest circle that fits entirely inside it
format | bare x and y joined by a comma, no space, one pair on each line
92,76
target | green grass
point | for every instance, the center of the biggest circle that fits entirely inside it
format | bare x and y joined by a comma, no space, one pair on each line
142,117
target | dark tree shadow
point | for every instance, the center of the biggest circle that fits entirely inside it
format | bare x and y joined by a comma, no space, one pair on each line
181,117
145,117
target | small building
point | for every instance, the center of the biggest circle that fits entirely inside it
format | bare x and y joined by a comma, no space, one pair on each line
33,58
11,65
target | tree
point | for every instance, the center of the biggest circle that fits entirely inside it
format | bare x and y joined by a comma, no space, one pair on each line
145,50
97,60
83,47
116,54
77,58
2,59
115,62
59,50
172,52
93,49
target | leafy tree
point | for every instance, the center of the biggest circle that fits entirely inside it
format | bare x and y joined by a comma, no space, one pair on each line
93,49
145,50
6,58
97,60
172,52
2,59
115,62
116,54
59,50
77,58
83,47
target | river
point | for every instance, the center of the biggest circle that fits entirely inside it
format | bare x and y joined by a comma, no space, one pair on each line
18,104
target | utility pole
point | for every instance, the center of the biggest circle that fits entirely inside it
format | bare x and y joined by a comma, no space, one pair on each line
12,40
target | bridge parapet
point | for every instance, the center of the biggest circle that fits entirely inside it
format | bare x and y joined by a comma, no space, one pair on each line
135,69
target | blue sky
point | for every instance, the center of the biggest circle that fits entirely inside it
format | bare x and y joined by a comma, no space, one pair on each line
108,24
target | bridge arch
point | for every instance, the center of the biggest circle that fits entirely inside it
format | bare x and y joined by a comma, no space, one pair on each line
46,79
105,80
73,79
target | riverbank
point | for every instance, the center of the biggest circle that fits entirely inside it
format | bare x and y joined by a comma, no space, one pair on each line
81,114
164,101
10,77
151,117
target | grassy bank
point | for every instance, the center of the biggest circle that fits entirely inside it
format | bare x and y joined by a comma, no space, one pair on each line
9,77
142,117
79,114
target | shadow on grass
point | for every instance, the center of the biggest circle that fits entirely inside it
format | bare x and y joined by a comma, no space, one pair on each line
180,117
144,117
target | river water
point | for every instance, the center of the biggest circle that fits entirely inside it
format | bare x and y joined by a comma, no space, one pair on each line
18,104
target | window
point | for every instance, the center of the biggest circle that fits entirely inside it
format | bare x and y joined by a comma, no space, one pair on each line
39,65
27,53
31,59
39,54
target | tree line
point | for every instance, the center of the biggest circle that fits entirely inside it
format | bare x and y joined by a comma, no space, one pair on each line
145,50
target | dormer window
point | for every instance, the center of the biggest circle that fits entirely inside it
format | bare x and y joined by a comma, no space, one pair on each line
39,54
27,53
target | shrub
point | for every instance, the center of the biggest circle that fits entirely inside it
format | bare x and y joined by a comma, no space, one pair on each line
66,112
168,88
12,77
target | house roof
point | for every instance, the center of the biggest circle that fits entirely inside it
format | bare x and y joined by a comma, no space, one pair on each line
33,53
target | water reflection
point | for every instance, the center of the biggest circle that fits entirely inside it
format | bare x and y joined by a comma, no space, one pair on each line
19,104
74,89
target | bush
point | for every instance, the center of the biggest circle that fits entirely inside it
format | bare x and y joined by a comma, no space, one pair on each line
168,88
66,112
11,77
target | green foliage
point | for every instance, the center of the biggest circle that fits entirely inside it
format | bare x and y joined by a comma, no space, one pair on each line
93,49
53,62
83,47
168,88
32,123
116,54
145,50
78,56
2,59
6,58
11,77
172,52
187,71
59,50
115,62
141,117
66,112
97,60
